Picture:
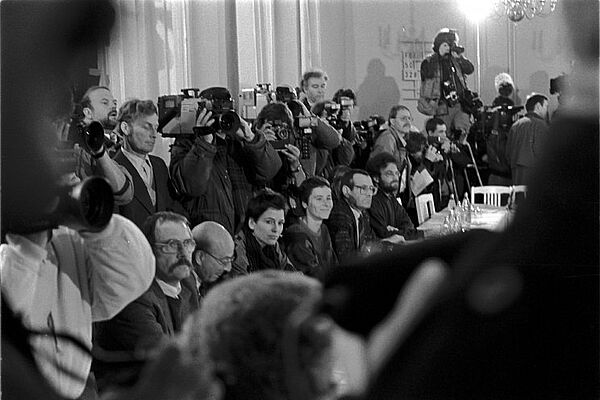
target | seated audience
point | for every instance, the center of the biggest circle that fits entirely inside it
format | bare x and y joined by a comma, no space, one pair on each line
307,242
336,181
349,223
138,123
216,173
256,245
388,217
214,253
257,339
122,343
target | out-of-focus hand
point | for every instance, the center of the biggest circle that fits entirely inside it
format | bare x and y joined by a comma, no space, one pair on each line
292,153
244,133
205,119
267,131
394,239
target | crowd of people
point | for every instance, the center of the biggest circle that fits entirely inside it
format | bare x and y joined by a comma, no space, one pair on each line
223,267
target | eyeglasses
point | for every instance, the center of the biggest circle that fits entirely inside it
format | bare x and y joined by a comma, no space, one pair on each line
372,190
172,246
391,173
225,261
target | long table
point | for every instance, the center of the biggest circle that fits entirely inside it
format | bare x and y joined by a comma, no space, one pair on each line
486,217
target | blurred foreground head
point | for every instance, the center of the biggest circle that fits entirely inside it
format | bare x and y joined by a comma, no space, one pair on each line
257,335
41,44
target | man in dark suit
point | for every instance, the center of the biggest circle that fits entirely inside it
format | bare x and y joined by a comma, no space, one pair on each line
138,122
123,343
349,224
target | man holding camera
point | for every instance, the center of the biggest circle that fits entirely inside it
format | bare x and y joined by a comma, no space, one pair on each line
92,153
444,92
448,159
217,171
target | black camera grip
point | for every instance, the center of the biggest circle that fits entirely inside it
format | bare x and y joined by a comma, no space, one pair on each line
203,130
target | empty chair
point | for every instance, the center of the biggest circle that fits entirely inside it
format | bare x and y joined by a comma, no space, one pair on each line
425,207
491,195
518,194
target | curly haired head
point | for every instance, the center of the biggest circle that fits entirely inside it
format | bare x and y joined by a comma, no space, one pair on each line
240,333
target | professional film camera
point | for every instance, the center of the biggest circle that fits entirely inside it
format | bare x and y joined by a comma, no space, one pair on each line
177,114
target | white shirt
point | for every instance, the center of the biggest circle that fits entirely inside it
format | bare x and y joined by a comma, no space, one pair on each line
169,290
77,279
143,166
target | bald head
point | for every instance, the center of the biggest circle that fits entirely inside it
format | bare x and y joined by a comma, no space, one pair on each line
215,250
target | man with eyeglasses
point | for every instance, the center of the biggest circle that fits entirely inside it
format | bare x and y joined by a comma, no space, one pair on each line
349,223
124,343
215,251
393,141
388,216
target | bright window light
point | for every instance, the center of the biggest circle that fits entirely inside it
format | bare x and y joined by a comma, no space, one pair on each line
476,10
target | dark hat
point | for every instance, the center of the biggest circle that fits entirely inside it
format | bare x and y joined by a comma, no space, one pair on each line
445,35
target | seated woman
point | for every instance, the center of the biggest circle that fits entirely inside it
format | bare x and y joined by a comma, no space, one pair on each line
257,338
307,242
256,245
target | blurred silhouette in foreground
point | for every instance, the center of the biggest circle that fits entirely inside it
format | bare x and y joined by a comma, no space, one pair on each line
510,315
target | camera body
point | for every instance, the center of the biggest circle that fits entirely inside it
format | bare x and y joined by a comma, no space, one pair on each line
369,128
304,128
178,113
284,134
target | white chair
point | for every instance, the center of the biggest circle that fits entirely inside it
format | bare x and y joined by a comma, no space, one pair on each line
492,195
425,207
519,193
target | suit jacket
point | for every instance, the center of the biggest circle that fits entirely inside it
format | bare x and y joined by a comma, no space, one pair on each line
141,206
342,228
139,327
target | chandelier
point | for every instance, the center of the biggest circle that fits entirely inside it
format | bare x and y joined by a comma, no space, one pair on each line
516,10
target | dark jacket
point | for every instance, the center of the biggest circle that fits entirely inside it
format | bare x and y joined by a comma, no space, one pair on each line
245,262
342,228
309,252
386,211
120,343
141,206
218,179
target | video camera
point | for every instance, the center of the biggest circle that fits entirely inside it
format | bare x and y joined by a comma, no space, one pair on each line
177,114
252,100
285,94
369,128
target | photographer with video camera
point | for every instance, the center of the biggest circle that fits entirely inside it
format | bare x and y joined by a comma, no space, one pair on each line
444,92
92,138
217,169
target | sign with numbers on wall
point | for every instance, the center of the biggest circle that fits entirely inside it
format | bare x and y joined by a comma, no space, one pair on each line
411,65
